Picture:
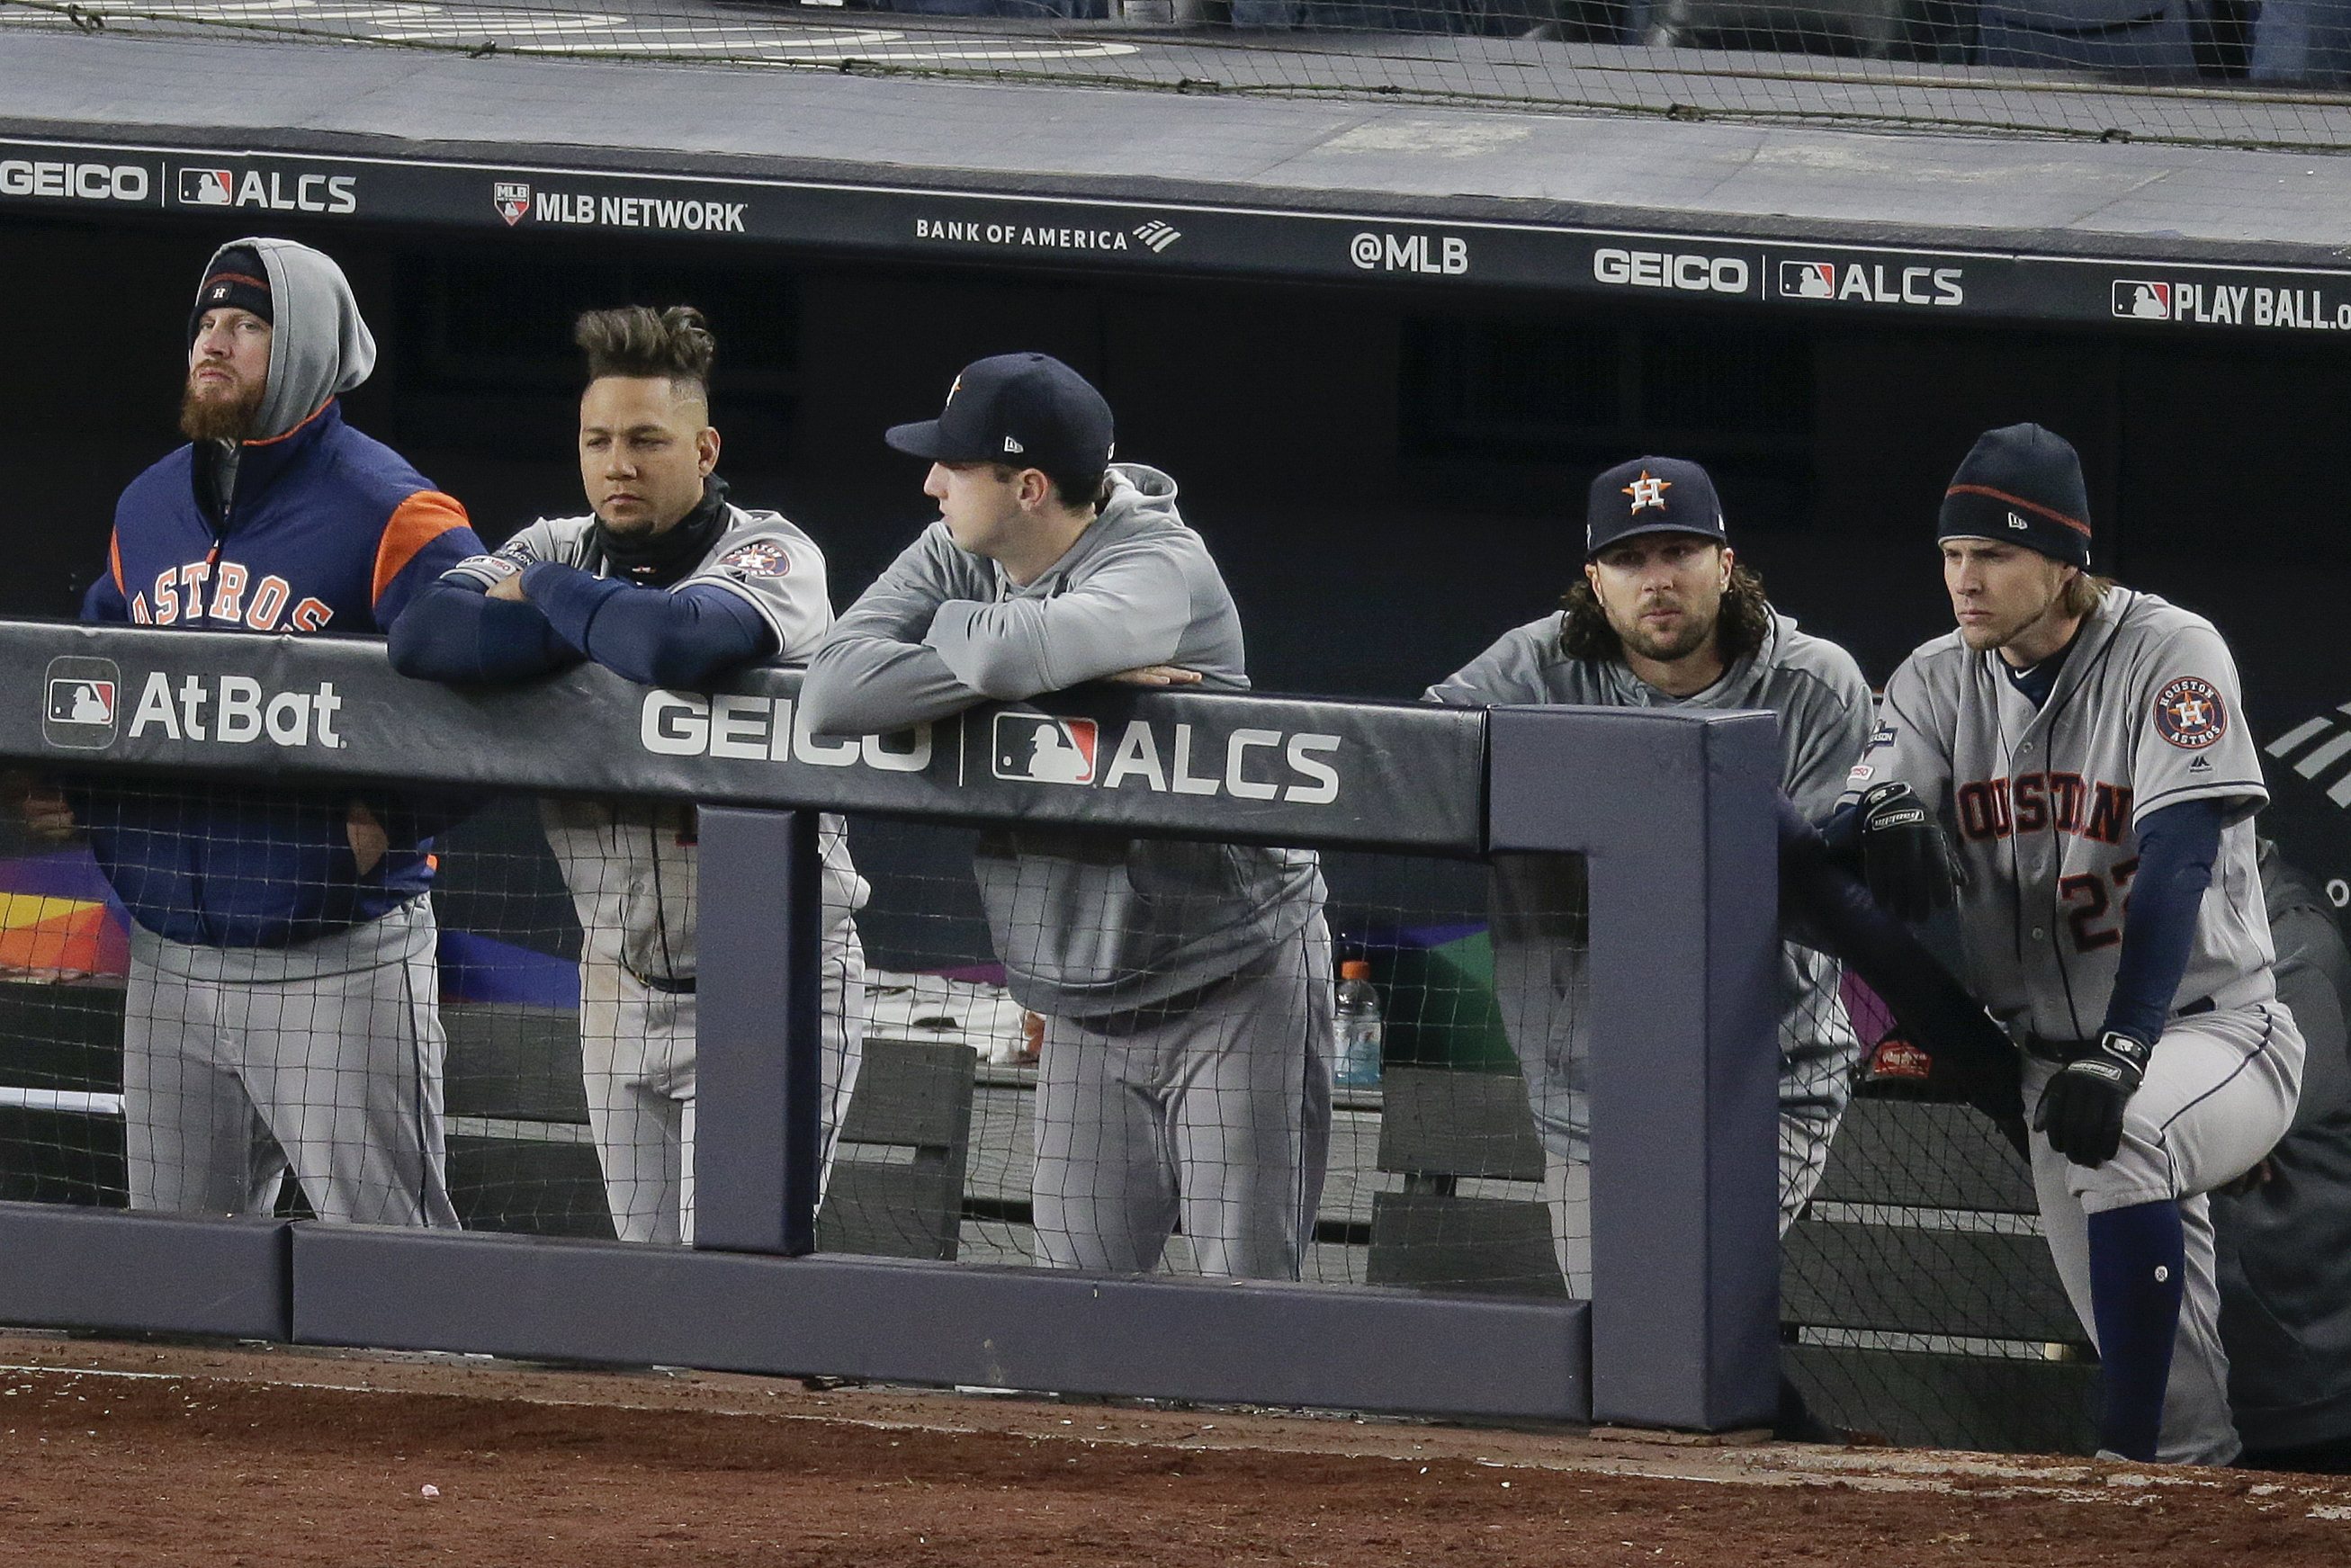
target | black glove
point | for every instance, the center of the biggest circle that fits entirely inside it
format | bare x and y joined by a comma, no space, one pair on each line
2082,1109
1903,856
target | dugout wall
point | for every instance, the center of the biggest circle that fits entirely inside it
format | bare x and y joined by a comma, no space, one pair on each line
1671,814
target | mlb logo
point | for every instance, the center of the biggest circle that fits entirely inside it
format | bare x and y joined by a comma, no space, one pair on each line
513,201
2136,300
82,702
1039,749
207,187
77,703
1808,279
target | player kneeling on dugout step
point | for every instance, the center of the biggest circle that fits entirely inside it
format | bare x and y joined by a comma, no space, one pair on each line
281,1011
2082,744
1186,986
1664,618
668,584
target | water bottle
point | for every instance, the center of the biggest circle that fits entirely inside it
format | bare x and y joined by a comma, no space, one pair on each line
1360,1028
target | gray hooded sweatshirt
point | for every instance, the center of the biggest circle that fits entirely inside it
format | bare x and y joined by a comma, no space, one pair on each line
1541,956
331,353
322,348
1087,922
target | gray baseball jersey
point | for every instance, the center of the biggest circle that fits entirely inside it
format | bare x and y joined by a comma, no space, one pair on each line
1824,704
632,867
2042,805
1189,1046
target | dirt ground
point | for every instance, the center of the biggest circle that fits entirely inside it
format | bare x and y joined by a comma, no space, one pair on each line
129,1453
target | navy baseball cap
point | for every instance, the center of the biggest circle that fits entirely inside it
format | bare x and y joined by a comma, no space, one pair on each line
1651,495
1028,409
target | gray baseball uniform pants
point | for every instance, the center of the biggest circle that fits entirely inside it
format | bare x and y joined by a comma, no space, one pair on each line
323,1058
2219,1093
636,1055
1545,996
1213,1109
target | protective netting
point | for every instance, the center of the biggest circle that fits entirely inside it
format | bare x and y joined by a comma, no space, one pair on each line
1189,1123
2232,72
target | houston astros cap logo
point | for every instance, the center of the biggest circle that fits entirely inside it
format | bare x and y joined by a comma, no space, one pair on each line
1647,492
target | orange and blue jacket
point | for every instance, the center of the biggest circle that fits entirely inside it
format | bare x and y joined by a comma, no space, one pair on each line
327,530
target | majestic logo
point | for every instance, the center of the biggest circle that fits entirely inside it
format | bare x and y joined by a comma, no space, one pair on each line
512,199
2189,714
1043,749
760,557
207,187
79,708
1647,492
2138,301
1157,236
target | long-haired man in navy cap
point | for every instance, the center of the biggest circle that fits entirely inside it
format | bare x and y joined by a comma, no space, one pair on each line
1663,615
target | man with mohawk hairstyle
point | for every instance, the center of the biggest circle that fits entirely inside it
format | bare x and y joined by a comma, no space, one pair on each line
668,582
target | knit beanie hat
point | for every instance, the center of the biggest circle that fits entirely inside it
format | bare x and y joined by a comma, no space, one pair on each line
236,280
2021,484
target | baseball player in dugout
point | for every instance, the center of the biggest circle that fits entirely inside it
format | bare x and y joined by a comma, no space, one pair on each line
2082,745
666,583
282,1007
1665,617
1186,987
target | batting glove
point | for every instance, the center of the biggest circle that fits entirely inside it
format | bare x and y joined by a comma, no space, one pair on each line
1904,857
2082,1109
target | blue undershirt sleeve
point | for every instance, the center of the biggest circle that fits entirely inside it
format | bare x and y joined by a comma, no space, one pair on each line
452,631
2176,847
683,637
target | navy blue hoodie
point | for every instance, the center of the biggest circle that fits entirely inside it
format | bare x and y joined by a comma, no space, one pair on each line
312,527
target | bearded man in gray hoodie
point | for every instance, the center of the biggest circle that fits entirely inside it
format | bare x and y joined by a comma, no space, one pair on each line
281,1014
1665,617
1185,985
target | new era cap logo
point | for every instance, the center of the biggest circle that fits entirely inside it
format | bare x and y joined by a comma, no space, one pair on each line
1042,749
1012,445
2019,523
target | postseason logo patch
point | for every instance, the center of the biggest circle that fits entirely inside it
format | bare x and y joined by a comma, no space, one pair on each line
760,557
2189,712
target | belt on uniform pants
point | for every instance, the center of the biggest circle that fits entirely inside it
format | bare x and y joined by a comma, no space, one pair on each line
2062,1052
667,987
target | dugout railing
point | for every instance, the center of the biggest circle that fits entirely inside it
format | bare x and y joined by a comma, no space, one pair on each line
1671,814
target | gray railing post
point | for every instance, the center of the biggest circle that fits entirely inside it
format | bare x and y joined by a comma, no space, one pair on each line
1673,814
757,1047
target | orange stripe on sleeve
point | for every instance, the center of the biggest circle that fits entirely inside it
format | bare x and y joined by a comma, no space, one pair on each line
415,523
114,560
